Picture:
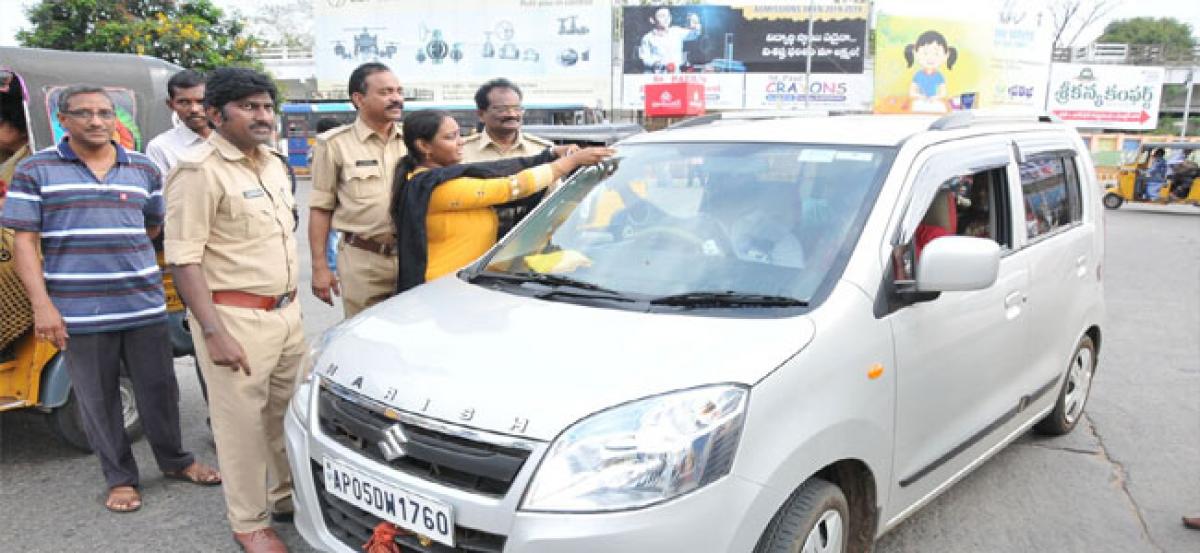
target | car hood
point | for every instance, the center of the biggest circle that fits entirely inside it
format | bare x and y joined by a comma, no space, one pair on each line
507,363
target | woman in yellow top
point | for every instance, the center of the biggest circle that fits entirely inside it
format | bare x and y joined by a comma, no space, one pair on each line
442,208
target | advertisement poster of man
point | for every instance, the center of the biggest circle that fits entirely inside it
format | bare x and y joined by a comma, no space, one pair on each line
743,38
994,53
750,55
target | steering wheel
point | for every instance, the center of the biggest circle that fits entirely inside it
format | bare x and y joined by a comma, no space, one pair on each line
671,234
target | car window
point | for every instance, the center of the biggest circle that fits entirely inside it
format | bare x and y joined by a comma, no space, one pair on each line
771,219
1050,194
970,204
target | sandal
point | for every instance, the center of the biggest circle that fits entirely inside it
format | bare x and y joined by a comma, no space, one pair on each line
196,473
123,499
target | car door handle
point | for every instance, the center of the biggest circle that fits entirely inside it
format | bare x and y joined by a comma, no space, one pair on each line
1081,266
1012,304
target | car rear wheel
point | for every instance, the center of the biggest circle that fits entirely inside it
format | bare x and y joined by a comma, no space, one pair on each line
67,423
816,519
1113,201
1074,393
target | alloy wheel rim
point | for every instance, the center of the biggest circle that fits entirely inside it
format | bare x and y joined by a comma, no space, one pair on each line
129,412
827,535
1079,382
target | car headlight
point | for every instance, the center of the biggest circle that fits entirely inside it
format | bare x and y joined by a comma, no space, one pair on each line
641,453
304,384
301,400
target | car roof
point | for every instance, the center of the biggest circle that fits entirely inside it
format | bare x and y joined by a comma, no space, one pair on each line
862,130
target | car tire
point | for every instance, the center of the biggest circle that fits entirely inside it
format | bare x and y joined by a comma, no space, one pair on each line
67,423
815,519
1113,201
1072,397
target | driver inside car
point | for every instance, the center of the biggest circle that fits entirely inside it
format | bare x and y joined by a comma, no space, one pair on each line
766,232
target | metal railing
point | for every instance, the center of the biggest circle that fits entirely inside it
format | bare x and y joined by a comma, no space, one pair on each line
1135,54
283,53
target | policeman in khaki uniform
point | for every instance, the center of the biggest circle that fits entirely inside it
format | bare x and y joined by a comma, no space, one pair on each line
353,166
230,242
499,108
498,103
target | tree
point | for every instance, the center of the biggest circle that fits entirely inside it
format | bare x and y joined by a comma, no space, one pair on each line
1072,17
287,23
193,34
1175,36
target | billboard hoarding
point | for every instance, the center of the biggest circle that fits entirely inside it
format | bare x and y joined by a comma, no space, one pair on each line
443,51
987,54
1117,97
790,91
749,55
721,90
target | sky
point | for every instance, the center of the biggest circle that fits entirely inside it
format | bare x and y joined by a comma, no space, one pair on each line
12,18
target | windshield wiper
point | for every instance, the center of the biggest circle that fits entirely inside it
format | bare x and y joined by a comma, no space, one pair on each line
552,281
727,299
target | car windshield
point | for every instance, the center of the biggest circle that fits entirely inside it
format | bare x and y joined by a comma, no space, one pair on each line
698,224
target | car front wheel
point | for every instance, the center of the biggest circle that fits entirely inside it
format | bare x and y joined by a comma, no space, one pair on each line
815,519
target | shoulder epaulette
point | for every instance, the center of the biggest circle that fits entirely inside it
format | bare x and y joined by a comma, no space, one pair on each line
329,134
537,140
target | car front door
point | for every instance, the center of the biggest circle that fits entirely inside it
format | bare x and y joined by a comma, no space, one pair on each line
956,353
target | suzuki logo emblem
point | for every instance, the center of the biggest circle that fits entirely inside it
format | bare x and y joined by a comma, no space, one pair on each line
393,442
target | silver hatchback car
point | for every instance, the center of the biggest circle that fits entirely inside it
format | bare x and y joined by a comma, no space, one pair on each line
771,335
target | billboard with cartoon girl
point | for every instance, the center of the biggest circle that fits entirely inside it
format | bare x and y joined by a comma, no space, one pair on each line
926,65
939,57
126,133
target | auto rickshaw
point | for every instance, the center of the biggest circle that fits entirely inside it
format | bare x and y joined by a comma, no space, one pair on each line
1183,176
33,373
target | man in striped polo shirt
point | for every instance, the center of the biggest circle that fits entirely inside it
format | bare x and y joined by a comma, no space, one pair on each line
93,207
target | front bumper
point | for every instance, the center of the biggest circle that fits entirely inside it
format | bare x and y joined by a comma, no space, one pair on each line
726,516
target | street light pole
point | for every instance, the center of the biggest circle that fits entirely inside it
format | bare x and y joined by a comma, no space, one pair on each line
808,62
1187,104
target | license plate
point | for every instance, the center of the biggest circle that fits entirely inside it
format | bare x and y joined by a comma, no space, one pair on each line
410,511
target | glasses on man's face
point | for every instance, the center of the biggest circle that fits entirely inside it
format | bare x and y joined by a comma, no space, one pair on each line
506,109
87,114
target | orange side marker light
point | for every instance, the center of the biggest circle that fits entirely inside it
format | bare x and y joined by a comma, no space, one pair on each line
875,371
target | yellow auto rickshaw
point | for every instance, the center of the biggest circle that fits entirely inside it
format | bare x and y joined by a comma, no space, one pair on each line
33,374
1182,178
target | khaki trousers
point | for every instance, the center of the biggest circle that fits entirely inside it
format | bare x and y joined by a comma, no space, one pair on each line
247,411
367,278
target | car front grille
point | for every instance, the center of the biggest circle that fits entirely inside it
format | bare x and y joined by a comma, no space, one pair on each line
353,526
446,459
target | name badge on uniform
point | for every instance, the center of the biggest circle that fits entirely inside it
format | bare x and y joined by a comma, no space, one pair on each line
253,193
366,163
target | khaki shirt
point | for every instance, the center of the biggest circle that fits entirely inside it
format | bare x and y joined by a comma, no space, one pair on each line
480,147
233,216
352,172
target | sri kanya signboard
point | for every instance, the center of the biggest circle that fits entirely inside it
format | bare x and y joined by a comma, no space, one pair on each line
1118,97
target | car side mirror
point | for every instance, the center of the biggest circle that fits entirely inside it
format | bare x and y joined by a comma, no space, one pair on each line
957,264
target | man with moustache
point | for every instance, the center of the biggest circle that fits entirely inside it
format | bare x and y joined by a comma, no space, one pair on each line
230,243
91,208
352,170
185,97
498,105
